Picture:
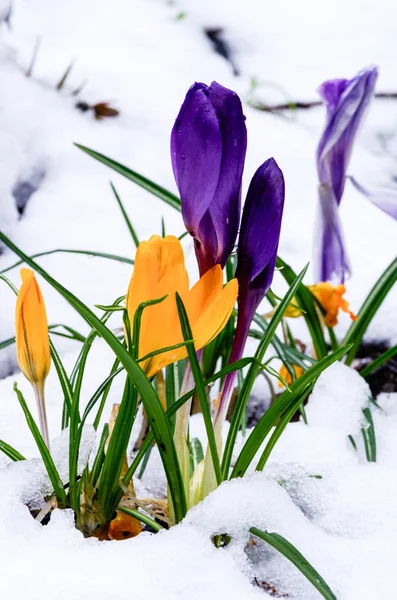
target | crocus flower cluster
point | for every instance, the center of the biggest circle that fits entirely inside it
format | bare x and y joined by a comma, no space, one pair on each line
208,145
347,101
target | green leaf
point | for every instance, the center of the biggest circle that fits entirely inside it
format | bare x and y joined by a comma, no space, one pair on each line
11,452
64,381
369,436
198,380
156,416
281,425
285,548
141,517
253,372
369,308
196,454
143,182
379,361
49,464
306,301
64,250
99,457
126,218
278,408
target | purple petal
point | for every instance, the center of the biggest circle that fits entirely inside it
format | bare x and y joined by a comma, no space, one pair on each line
330,92
347,102
385,199
226,206
331,262
196,152
208,146
260,231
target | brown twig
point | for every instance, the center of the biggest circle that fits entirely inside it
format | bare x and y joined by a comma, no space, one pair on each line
34,56
294,105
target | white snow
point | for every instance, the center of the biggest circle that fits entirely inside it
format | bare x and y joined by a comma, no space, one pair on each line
141,58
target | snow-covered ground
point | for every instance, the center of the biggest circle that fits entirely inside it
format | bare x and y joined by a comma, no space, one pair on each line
141,56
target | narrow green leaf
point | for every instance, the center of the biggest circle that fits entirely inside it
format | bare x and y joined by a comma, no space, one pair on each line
305,300
99,457
281,425
368,310
143,182
63,380
10,452
126,218
379,361
64,250
368,434
141,517
198,380
285,548
49,464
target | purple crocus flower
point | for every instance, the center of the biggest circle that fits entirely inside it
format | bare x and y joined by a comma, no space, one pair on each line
256,254
208,145
346,101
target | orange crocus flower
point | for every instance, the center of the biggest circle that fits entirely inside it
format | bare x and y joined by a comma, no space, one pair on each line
331,299
159,270
32,342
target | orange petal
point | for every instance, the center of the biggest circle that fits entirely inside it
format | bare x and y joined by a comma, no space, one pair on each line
32,343
124,527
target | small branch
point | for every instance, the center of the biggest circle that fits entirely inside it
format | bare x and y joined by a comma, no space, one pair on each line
294,105
34,56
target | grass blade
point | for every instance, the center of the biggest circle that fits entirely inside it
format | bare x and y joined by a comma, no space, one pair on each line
126,218
10,452
143,182
137,514
285,548
281,425
369,438
306,301
369,308
198,380
64,250
379,361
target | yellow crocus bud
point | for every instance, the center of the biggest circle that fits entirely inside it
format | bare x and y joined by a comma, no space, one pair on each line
284,373
159,270
331,299
32,342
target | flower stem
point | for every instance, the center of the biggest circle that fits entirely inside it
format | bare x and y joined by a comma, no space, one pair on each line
40,400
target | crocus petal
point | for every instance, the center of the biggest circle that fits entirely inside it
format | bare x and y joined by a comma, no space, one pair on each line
208,146
330,258
331,299
196,152
159,270
32,343
204,328
347,102
260,229
385,199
